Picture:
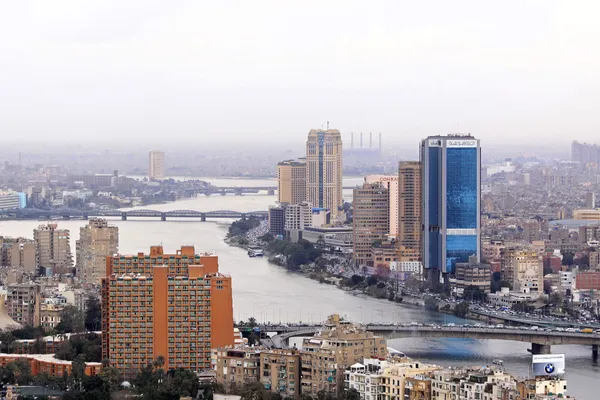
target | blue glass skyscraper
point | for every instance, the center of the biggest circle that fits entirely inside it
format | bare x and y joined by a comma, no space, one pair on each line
451,191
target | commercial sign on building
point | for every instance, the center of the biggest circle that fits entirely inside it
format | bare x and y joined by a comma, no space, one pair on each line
461,143
548,364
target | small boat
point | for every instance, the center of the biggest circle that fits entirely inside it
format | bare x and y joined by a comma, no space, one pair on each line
498,362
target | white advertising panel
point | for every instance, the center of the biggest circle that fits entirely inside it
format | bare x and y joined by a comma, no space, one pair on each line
461,143
548,364
435,142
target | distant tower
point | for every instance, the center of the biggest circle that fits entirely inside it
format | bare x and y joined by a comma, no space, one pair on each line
156,169
324,169
352,140
370,140
379,141
361,140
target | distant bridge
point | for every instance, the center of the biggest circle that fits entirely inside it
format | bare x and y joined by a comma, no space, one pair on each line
69,213
516,319
238,190
541,341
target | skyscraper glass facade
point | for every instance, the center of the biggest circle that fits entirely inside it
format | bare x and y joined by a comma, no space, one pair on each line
451,201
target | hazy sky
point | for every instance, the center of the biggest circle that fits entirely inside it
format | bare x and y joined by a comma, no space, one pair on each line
241,71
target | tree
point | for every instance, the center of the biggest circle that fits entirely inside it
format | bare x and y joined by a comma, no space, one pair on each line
71,320
462,309
372,280
252,322
356,279
93,314
431,304
474,293
267,237
523,307
567,258
350,394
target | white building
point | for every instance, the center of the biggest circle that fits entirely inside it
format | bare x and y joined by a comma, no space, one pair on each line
12,200
567,280
506,298
414,267
298,216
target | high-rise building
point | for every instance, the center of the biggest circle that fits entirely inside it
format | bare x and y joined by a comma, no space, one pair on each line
391,184
523,268
17,253
178,306
324,169
297,217
277,220
23,303
156,169
409,211
590,200
291,181
370,220
97,240
53,248
451,187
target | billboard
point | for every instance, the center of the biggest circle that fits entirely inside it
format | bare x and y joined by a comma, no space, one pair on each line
548,364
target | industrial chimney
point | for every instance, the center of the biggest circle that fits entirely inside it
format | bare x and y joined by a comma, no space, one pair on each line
370,140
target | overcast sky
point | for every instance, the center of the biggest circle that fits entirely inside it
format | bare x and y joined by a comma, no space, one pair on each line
207,71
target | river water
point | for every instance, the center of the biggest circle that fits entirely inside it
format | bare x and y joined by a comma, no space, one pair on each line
269,293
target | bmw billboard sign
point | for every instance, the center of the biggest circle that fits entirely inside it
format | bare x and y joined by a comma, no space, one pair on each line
548,364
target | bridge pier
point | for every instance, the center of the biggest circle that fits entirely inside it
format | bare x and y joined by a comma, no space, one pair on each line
271,192
595,352
163,217
124,217
223,193
203,218
537,348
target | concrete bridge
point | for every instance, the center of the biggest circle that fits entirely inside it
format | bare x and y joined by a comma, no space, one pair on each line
541,340
239,190
68,213
516,319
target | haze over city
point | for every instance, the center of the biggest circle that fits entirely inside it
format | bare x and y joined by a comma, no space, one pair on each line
231,71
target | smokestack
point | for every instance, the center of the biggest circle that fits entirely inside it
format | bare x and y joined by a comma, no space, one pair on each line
380,141
361,140
351,140
370,140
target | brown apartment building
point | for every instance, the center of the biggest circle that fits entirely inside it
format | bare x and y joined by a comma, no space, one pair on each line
178,306
409,211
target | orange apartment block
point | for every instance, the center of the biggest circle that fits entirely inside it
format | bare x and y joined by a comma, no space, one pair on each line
177,306
47,363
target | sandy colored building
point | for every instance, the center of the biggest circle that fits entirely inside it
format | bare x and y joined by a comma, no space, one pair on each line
23,303
46,363
370,220
291,181
324,169
409,211
339,345
391,183
178,306
585,214
523,268
156,167
97,240
53,248
18,253
236,366
50,315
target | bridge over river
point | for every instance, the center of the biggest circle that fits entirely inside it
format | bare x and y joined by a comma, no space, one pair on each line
69,213
541,340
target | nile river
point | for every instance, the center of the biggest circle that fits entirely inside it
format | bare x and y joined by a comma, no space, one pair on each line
269,293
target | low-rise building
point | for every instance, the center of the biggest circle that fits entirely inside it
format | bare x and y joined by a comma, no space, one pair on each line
236,366
47,363
280,372
472,273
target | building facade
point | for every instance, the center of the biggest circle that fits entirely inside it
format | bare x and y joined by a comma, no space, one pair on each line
156,167
297,218
409,211
23,303
18,253
97,240
451,187
53,248
324,169
277,220
370,220
523,268
472,274
391,183
12,200
291,181
178,306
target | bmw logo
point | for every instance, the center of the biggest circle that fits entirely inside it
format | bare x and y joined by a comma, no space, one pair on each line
549,368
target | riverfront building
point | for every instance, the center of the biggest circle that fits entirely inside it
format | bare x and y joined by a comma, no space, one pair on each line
391,184
12,200
370,220
291,181
523,268
97,240
178,306
409,211
451,185
324,169
53,249
156,167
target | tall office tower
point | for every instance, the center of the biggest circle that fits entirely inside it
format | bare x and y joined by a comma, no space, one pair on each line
370,220
97,240
156,169
409,211
324,169
391,184
53,249
451,187
178,306
291,181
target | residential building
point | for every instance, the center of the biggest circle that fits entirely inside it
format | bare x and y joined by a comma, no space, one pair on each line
586,214
552,262
589,233
384,255
409,211
339,345
297,218
523,268
370,220
156,168
237,366
585,154
451,186
291,181
588,280
12,200
391,183
23,303
280,372
324,169
6,322
417,387
472,274
590,200
48,364
535,388
50,315
97,240
18,253
53,249
182,309
277,220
